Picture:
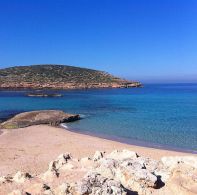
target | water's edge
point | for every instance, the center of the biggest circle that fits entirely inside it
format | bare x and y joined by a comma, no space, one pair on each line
127,141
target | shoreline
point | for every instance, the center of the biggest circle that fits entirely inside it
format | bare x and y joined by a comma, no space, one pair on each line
132,142
30,149
69,88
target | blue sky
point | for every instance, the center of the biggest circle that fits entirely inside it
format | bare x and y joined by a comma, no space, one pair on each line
147,40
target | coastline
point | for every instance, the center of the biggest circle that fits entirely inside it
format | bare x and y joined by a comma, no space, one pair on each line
129,141
30,149
55,89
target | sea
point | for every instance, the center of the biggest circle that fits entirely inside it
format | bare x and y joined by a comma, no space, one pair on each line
156,115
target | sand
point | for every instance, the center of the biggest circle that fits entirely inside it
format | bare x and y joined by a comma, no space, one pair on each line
31,149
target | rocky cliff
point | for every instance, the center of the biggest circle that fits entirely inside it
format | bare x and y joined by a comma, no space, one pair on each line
59,77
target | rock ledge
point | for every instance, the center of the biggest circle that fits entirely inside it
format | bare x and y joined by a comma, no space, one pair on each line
50,117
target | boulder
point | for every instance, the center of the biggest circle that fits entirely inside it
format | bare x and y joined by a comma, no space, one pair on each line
61,163
135,176
93,183
107,168
50,117
134,172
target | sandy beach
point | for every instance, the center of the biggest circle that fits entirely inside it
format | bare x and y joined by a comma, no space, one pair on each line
31,149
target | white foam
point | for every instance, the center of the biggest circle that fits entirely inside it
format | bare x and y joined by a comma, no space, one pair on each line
82,115
64,125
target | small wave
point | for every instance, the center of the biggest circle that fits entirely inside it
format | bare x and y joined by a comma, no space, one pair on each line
82,116
64,126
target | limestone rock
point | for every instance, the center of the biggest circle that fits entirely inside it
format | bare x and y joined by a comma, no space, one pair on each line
55,166
61,160
38,189
95,184
49,175
65,189
167,165
136,178
148,163
21,177
98,155
172,162
107,168
133,172
5,179
16,192
118,173
182,181
122,154
86,163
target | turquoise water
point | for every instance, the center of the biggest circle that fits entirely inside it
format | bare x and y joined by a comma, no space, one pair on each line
156,115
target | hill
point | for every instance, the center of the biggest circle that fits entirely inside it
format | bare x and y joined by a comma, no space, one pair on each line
50,76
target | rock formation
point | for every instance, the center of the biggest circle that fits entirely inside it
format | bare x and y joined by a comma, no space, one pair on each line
43,94
94,183
51,117
118,173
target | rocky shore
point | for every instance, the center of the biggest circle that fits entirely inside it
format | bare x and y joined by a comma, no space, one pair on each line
120,172
67,86
50,117
35,94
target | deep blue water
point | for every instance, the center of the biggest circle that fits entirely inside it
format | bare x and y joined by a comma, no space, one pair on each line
159,115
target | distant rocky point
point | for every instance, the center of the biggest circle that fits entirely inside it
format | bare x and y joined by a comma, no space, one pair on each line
50,117
59,77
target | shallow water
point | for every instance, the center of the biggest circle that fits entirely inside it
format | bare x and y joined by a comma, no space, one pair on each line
159,115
